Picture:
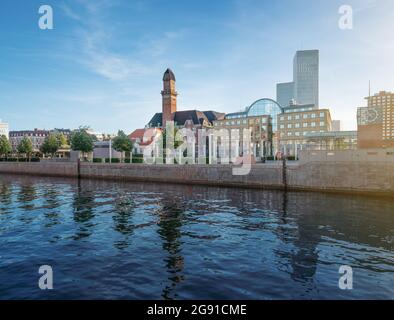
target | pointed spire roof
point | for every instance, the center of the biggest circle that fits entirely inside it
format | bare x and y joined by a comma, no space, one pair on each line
169,75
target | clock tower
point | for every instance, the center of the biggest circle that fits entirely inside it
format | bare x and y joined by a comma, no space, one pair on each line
169,96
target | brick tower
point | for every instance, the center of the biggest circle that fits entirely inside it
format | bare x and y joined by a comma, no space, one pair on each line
169,95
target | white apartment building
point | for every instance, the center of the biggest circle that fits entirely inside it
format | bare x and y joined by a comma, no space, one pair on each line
4,129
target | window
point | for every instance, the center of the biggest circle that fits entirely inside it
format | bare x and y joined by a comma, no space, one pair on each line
289,126
289,118
313,124
321,114
313,116
322,124
305,116
297,125
305,125
297,117
282,126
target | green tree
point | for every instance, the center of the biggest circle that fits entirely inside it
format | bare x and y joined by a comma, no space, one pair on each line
25,146
50,145
62,140
122,143
5,146
81,141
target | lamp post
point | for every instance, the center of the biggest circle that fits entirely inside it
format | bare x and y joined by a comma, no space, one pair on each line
110,151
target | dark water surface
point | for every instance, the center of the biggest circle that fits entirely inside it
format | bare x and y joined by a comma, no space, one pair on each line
144,241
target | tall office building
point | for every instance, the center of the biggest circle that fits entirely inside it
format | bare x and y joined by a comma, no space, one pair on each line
304,89
306,77
284,93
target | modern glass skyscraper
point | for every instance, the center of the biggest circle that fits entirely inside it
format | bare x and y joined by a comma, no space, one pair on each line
306,77
284,93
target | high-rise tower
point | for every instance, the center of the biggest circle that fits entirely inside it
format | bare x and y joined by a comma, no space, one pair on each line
169,95
306,77
304,90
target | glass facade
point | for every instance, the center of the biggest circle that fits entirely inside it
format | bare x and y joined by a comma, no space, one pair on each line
284,93
266,107
306,77
262,107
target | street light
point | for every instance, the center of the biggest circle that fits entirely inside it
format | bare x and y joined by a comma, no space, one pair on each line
110,150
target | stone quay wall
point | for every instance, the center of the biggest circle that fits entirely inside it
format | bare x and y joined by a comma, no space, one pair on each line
330,176
44,168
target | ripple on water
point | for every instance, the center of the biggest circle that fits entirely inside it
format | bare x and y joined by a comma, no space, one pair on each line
146,241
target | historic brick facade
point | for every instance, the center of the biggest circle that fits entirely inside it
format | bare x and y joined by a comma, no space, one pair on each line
169,95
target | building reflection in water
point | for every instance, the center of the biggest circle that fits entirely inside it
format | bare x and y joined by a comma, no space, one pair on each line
26,195
5,195
123,213
83,206
169,229
296,234
51,205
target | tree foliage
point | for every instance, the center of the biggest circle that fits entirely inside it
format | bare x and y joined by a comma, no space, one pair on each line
81,141
122,143
25,146
51,144
62,140
5,146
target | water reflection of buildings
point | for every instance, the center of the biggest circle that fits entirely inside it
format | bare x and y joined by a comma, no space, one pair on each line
83,204
296,227
170,224
124,211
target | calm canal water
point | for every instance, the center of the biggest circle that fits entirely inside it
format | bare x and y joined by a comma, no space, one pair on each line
110,240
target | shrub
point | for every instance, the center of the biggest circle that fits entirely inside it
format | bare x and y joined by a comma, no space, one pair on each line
97,160
291,158
113,160
138,159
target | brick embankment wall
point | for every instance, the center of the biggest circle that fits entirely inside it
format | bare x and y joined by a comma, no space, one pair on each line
374,177
268,176
60,169
364,177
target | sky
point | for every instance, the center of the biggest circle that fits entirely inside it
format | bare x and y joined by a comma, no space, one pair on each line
102,64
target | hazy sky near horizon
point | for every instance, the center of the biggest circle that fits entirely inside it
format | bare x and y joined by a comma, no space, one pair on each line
102,65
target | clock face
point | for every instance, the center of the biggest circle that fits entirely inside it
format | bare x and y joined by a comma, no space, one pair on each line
370,115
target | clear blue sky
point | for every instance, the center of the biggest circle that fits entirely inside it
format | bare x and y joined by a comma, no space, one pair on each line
102,65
